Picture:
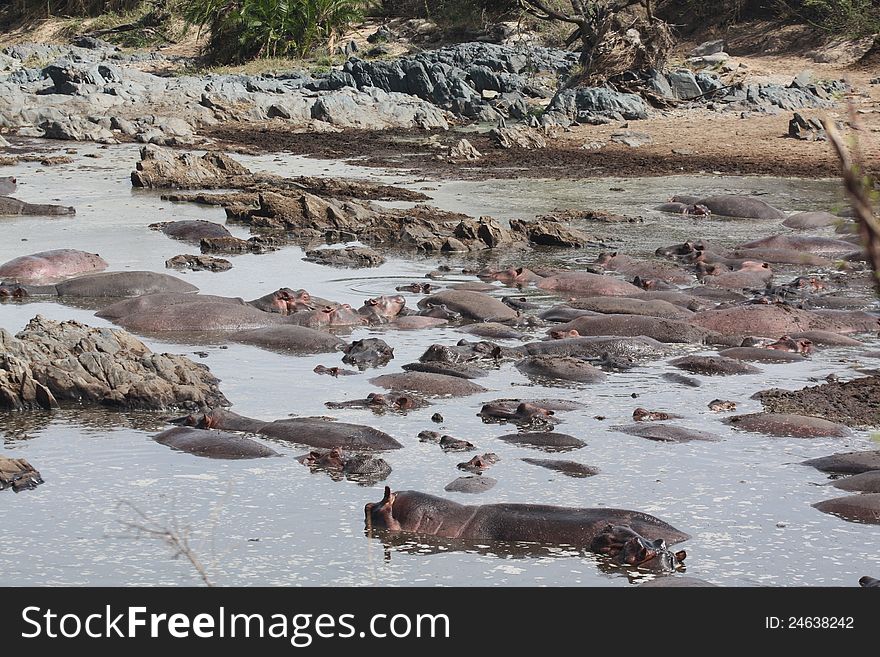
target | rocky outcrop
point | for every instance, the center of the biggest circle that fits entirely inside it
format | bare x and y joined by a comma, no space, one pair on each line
51,363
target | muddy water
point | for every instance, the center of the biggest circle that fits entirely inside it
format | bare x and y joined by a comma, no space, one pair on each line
744,499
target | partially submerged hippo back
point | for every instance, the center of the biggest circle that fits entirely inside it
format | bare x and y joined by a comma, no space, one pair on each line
12,206
412,511
50,267
745,207
123,284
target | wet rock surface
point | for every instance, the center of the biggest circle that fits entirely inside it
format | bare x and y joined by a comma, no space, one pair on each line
853,403
50,363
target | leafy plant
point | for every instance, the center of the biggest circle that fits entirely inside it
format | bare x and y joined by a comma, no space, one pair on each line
246,29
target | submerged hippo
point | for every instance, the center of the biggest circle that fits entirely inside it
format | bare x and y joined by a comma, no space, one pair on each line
12,206
116,284
420,513
365,468
645,269
471,305
428,383
586,284
863,508
744,207
663,330
810,220
191,230
369,352
50,267
290,339
213,444
787,424
310,431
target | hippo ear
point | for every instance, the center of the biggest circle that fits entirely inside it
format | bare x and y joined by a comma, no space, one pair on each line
659,544
681,555
388,499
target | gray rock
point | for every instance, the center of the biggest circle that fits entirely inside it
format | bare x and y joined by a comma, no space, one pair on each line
708,48
684,84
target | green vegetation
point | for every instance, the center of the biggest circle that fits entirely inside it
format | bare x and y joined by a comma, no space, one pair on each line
848,17
247,29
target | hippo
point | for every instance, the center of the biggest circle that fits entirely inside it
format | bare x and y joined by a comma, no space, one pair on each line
688,381
382,310
582,283
191,230
663,330
827,338
416,288
713,365
546,404
472,305
369,352
644,415
750,275
664,433
8,185
416,322
148,303
438,311
847,462
565,313
627,547
808,243
333,371
492,330
364,468
761,355
568,468
629,306
562,368
512,276
286,301
548,441
787,424
10,207
869,582
721,405
810,220
519,303
863,508
677,207
213,444
743,207
479,463
637,347
429,384
645,269
525,414
313,432
116,284
50,267
782,257
421,513
197,317
329,316
773,320
472,485
462,370
864,482
379,403
290,339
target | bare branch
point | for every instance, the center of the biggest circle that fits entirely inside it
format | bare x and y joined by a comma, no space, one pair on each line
859,188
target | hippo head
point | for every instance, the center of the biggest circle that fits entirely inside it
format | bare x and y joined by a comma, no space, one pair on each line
558,334
379,515
13,292
626,546
384,307
697,209
439,311
341,315
605,258
297,299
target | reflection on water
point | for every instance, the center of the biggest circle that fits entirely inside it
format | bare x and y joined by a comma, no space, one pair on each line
744,499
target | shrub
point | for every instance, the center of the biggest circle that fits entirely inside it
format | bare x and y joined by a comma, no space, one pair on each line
246,29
